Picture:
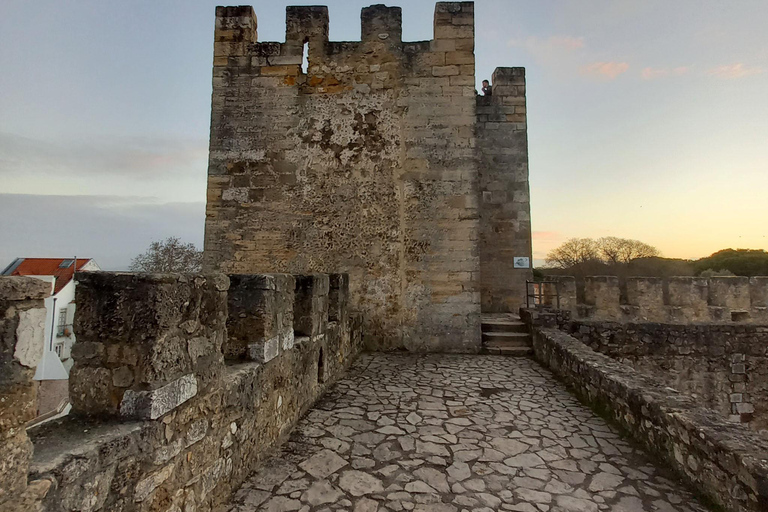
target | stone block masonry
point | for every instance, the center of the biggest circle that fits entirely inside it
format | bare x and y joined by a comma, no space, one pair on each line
22,314
260,316
379,161
672,300
727,463
310,316
146,342
162,420
725,366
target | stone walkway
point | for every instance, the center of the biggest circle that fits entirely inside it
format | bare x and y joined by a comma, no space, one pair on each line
444,433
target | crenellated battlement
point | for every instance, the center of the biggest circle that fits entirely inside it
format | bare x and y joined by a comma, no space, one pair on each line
670,300
309,23
381,23
336,66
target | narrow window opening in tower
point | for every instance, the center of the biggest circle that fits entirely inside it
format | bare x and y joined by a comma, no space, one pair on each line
305,58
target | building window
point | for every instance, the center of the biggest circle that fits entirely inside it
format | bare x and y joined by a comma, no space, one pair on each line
66,263
58,349
62,323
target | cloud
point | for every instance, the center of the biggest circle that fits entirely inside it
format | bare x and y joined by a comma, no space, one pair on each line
132,156
551,51
570,43
110,229
534,43
654,73
606,70
734,71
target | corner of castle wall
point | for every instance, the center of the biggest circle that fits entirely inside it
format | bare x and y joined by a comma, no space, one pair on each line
454,27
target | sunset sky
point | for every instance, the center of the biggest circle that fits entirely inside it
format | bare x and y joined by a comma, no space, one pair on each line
647,119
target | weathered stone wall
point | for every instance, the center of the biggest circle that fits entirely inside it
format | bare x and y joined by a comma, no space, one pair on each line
22,313
505,212
726,462
146,342
260,316
672,300
725,367
161,421
368,163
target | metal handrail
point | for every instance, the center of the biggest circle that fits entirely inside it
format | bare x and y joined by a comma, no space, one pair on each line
64,330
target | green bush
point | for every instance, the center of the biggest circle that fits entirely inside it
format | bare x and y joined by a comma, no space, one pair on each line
741,262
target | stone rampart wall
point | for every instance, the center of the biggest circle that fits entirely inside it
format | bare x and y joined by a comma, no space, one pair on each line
373,161
670,300
22,314
725,462
724,366
169,413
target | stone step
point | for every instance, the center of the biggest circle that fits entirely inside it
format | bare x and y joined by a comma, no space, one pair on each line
492,317
507,338
504,326
508,351
509,346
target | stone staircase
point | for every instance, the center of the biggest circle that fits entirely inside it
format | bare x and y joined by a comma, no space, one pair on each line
505,334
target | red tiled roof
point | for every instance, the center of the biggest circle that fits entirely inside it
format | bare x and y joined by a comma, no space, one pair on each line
49,267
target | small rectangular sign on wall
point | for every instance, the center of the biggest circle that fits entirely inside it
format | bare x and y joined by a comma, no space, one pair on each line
522,262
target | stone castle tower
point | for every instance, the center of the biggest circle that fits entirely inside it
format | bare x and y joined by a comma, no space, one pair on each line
379,160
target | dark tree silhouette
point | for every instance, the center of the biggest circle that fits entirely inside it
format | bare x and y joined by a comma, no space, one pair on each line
170,255
572,252
623,250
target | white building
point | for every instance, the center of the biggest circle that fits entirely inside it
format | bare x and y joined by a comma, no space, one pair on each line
55,355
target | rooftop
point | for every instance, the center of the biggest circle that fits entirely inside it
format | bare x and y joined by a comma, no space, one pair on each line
63,269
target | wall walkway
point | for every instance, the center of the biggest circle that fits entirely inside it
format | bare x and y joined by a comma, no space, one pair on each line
443,433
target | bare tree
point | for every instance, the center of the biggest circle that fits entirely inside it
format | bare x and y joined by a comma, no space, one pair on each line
623,250
588,253
572,252
170,255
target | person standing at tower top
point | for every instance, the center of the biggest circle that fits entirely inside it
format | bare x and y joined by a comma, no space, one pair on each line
487,91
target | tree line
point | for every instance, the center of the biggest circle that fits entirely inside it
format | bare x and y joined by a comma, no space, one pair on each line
626,257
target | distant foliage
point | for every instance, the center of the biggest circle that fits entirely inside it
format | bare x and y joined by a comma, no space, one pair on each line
170,255
658,267
624,258
573,252
740,262
716,273
608,250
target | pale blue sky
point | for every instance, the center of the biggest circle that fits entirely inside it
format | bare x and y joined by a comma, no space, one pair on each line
647,119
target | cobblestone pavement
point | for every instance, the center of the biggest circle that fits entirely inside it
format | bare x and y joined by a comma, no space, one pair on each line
444,433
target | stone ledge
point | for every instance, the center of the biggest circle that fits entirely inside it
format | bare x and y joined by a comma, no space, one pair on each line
726,462
723,365
150,405
24,288
59,442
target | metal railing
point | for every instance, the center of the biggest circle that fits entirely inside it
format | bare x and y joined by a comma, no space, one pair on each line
538,294
64,331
